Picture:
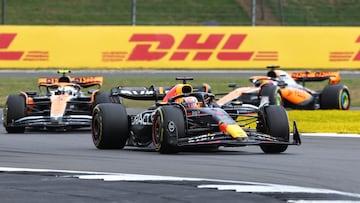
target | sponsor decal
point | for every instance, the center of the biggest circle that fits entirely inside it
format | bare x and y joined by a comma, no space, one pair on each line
201,138
87,79
145,118
136,92
171,126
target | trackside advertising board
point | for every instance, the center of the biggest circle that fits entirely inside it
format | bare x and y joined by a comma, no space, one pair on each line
201,47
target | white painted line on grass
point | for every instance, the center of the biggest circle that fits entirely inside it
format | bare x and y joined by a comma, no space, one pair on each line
331,135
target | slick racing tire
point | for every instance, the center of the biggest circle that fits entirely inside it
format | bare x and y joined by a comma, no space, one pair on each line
110,126
276,125
168,126
15,108
273,92
104,97
335,97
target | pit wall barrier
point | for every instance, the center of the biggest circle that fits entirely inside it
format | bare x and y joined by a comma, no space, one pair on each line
213,47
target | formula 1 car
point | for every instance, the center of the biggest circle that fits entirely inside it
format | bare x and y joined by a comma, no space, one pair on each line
182,118
59,104
284,89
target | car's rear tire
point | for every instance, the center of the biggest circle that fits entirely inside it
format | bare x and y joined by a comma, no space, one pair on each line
273,93
110,126
168,126
276,125
104,97
15,108
335,97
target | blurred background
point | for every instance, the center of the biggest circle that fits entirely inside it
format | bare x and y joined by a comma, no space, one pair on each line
182,12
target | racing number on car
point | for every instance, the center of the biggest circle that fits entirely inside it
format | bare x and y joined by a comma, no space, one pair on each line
152,47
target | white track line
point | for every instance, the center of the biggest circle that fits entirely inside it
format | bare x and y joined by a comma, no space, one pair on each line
237,186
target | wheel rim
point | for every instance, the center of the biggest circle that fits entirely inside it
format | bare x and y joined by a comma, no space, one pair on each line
96,127
157,132
278,99
6,122
345,100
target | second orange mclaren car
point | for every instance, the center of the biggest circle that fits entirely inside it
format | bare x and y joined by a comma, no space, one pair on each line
288,89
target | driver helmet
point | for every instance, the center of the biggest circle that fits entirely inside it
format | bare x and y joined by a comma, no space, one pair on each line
271,74
190,102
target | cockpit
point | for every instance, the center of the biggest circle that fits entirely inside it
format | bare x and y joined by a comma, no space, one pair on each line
287,79
60,90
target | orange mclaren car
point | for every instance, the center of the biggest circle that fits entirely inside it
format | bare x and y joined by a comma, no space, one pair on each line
289,90
60,103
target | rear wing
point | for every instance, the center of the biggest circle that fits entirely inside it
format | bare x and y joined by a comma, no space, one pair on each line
84,82
314,76
141,93
152,93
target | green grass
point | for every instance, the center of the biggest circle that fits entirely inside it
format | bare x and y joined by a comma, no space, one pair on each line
320,12
118,12
326,121
69,12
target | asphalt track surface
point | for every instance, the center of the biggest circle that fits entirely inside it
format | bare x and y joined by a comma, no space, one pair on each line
322,168
42,166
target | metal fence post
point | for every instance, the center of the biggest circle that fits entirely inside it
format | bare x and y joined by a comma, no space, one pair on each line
133,12
3,4
253,12
281,8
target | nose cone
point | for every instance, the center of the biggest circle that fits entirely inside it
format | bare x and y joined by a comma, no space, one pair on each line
56,119
234,130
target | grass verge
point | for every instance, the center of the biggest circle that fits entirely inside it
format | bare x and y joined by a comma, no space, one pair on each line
332,121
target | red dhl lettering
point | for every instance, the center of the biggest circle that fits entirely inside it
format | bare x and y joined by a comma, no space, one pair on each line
151,47
5,41
340,56
357,56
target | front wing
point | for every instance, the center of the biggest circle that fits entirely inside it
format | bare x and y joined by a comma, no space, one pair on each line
47,121
254,138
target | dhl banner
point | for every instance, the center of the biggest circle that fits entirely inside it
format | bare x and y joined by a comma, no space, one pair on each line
179,47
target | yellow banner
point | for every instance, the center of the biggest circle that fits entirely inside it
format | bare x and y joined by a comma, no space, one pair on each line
178,47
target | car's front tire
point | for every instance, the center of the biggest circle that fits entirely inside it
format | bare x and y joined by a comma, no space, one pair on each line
110,126
15,108
168,126
277,125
